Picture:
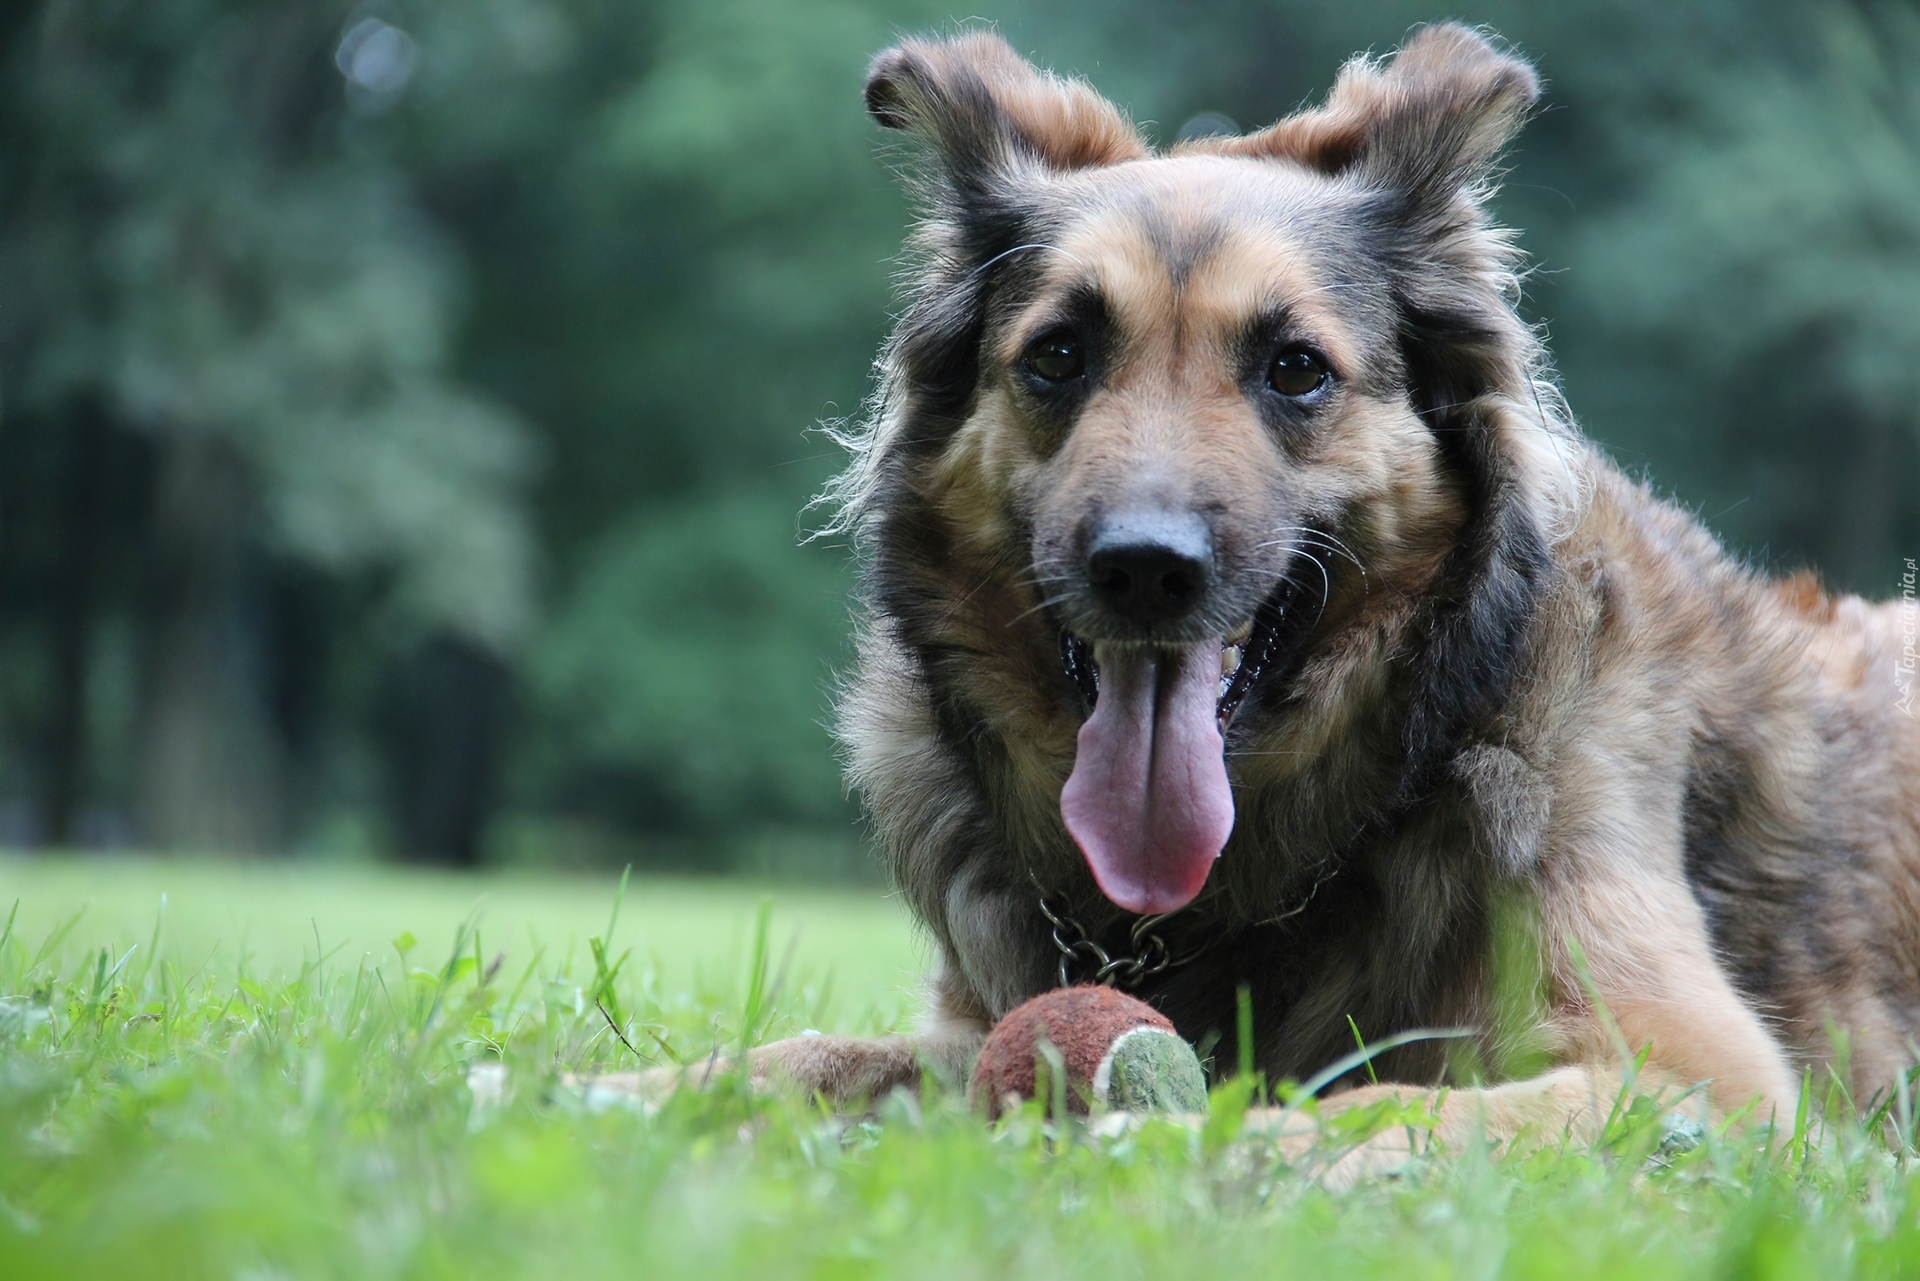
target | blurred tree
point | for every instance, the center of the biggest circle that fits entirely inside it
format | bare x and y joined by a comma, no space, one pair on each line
685,676
271,276
202,251
1782,365
682,243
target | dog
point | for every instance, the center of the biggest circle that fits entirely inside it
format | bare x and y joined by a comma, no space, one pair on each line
1245,620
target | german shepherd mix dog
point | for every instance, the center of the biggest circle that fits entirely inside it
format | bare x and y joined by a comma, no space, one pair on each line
1243,611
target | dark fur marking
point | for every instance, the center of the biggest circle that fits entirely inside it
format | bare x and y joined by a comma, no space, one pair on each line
1287,417
1721,878
1477,642
1500,566
1084,312
1180,249
967,126
1306,578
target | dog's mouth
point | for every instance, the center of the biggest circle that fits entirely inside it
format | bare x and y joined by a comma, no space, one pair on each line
1247,654
1149,802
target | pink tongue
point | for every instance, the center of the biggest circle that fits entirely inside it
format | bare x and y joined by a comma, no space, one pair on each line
1148,801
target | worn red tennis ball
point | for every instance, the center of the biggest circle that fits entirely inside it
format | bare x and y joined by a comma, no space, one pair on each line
1117,1053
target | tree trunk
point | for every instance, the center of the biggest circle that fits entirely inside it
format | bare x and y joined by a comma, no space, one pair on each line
72,599
444,724
210,760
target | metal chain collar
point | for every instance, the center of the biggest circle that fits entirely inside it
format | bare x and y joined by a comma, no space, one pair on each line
1080,954
1083,960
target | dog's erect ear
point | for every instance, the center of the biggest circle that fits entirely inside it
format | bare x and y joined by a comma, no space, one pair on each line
984,108
1424,130
1427,123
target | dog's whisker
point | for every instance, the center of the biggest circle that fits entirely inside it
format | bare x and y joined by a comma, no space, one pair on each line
1330,287
1314,540
1238,751
1289,580
984,267
1048,603
1312,537
1311,532
1326,590
985,575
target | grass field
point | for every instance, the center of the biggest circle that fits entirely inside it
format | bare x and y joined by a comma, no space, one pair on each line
855,961
269,1087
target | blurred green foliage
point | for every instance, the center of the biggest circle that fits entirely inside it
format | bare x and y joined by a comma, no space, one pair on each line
687,623
1765,270
405,406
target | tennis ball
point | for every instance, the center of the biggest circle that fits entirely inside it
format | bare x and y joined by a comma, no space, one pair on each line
1116,1054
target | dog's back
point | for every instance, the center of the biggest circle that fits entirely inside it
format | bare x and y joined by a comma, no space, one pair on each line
1787,759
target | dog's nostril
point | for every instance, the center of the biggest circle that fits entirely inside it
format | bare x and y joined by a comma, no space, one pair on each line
1151,568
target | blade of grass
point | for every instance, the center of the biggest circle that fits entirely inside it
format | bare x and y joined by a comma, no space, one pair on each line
1340,1067
619,896
1360,1043
55,939
1243,1030
756,976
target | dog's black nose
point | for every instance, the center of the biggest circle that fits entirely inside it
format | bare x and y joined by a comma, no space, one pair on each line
1151,568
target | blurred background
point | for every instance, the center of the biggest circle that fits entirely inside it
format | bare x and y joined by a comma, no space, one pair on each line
405,408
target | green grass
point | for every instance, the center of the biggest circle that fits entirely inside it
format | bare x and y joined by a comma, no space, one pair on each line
855,951
275,1091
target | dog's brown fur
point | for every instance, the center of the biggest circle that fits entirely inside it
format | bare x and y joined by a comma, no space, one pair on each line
1528,692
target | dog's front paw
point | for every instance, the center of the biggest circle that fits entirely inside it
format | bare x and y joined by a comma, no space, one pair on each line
650,1086
842,1070
839,1069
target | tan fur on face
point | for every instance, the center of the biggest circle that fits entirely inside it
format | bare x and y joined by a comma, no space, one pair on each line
1175,412
1182,280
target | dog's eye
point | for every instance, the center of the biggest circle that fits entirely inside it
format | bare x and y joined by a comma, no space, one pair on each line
1297,370
1056,356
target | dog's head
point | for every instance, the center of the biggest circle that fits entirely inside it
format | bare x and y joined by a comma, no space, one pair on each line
1200,400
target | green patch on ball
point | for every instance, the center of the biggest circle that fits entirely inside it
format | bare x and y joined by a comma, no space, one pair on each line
1148,1070
1117,1054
